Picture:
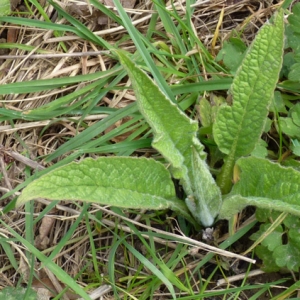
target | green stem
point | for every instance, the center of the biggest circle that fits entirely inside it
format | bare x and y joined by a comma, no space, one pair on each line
224,179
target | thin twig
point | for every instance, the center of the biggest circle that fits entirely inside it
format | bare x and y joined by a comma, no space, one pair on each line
239,277
23,159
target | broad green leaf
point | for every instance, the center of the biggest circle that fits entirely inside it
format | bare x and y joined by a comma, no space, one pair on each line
117,181
4,7
238,127
263,184
262,178
174,133
233,204
175,137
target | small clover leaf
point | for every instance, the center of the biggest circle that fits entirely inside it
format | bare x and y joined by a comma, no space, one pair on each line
294,18
273,240
291,222
265,255
288,256
296,147
232,53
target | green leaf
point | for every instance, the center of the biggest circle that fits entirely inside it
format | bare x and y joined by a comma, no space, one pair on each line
266,256
291,86
288,256
262,178
294,74
292,222
209,109
292,38
206,202
238,127
232,53
289,127
205,112
291,124
291,162
294,18
288,61
272,240
260,149
278,104
263,184
174,133
265,215
296,147
273,252
117,181
139,42
234,204
295,113
4,7
175,137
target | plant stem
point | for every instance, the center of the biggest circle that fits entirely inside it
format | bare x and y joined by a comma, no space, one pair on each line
224,179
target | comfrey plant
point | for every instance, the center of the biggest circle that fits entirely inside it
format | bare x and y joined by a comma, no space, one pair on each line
146,184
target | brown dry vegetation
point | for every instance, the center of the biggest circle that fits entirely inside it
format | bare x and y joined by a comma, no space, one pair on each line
25,144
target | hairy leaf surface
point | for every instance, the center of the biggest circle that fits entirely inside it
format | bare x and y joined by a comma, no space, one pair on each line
263,184
174,132
118,181
238,127
206,202
175,138
4,7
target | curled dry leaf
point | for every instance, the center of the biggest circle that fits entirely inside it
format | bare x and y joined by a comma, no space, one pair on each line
125,3
42,240
103,19
79,10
